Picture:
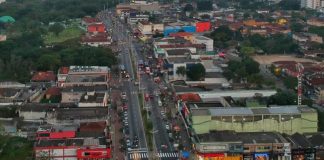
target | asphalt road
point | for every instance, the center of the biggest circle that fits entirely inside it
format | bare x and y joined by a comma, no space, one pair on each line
136,127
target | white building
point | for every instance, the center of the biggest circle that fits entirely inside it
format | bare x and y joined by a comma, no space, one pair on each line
311,4
204,40
147,28
137,18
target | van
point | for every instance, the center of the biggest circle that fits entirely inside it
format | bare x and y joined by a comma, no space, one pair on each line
160,103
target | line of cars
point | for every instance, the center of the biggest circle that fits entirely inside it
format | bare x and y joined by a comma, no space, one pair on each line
129,145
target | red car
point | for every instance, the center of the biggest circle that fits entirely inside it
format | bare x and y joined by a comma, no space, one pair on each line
125,107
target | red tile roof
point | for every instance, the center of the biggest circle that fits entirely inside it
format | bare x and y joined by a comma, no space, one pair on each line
97,37
180,34
191,97
64,70
44,76
93,126
53,91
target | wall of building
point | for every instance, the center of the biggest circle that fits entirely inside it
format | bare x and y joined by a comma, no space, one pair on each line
203,26
32,115
305,123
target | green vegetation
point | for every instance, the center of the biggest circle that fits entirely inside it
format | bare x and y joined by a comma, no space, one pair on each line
196,72
27,51
204,5
290,82
147,123
15,148
283,98
320,120
29,37
181,70
53,99
316,30
57,35
8,112
246,69
275,44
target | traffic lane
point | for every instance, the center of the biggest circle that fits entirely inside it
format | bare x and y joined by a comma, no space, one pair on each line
161,137
135,104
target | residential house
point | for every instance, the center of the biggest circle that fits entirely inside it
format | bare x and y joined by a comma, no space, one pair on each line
148,28
93,99
315,22
96,39
44,78
97,27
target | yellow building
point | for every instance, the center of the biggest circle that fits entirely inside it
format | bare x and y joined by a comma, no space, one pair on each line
283,119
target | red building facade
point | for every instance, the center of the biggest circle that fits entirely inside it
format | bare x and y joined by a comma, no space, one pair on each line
203,26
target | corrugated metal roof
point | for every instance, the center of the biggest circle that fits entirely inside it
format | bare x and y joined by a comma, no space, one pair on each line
230,111
260,111
284,110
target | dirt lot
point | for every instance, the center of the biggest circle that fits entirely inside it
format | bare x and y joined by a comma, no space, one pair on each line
268,59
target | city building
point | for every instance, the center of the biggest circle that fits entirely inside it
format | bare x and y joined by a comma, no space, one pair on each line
14,93
135,18
319,22
283,119
311,4
148,28
229,145
66,142
83,76
141,6
93,99
41,77
96,39
208,42
96,27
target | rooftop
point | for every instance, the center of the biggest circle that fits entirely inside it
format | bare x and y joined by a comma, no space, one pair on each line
202,38
244,137
95,37
290,110
54,91
71,142
178,52
96,88
88,69
93,126
182,60
86,78
47,76
92,97
81,113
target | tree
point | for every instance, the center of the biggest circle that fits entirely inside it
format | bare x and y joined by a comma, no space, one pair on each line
196,72
188,8
283,98
289,4
290,82
56,28
181,70
296,27
204,5
248,51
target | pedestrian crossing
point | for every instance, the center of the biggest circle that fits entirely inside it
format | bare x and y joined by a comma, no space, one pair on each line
144,155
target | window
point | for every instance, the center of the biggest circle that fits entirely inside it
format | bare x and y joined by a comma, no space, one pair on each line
246,148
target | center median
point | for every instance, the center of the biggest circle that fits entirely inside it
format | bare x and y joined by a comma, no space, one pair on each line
147,123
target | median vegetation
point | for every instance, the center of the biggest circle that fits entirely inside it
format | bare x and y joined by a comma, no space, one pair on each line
148,126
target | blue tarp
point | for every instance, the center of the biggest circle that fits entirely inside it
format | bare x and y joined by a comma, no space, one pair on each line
185,154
